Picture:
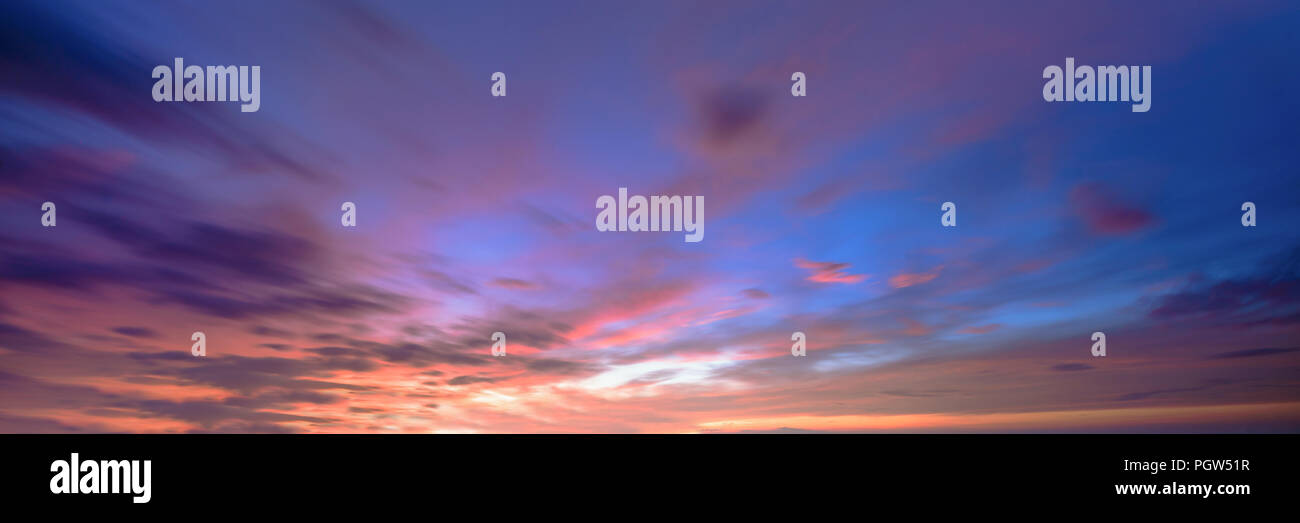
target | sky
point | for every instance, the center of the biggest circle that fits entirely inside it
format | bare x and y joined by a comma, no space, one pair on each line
475,214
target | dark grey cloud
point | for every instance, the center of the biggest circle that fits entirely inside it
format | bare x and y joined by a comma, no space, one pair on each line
301,301
470,380
654,377
10,424
67,272
1134,396
247,274
727,114
283,399
212,413
1251,353
244,427
261,388
542,329
445,283
338,351
136,332
74,65
247,375
919,393
16,338
263,330
23,392
417,355
1271,295
29,393
559,366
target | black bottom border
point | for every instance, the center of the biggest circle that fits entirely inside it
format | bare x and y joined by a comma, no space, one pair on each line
567,474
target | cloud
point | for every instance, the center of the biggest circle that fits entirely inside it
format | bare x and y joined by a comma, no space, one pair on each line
470,380
1270,296
1251,353
1204,385
209,414
256,255
284,399
906,279
514,284
1105,213
730,113
916,328
981,329
67,272
829,272
263,330
136,332
250,374
62,64
417,355
559,367
34,425
16,338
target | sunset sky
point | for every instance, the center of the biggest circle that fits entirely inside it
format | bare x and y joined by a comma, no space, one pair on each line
476,214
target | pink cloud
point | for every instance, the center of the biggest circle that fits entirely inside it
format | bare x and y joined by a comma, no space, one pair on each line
915,328
1105,213
907,279
829,272
981,329
514,284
